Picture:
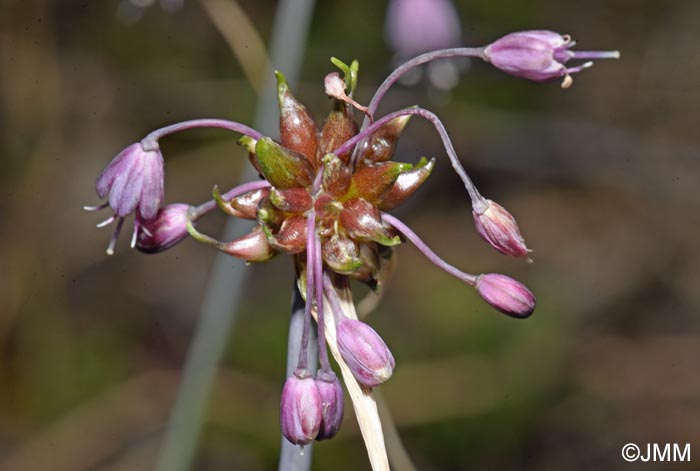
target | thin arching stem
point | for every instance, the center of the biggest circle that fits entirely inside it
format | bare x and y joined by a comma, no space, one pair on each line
208,206
401,70
332,296
478,202
427,251
150,142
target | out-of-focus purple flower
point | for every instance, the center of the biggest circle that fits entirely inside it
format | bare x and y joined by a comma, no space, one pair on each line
365,352
506,294
498,227
540,55
331,404
165,230
131,11
300,409
133,180
417,26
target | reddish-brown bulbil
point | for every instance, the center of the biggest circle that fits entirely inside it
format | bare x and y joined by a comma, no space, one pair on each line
347,195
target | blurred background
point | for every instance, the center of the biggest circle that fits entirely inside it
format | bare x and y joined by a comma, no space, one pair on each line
602,177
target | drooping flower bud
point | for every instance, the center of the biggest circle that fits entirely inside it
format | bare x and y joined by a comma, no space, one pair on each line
134,179
300,409
332,400
365,352
540,55
298,130
165,230
498,227
506,294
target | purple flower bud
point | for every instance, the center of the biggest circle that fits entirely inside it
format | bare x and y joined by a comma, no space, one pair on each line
506,294
300,409
331,393
540,55
165,230
498,227
134,179
365,352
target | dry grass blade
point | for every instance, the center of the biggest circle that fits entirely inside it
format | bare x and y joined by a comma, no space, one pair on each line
242,37
363,401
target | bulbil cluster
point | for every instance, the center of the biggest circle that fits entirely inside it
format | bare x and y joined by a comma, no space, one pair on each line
323,197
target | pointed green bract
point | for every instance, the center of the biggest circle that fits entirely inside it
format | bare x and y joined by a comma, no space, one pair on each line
349,71
406,184
282,167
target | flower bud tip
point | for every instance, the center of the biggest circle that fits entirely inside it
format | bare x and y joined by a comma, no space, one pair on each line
365,352
506,294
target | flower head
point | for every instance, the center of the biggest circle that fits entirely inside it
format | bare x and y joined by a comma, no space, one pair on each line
540,55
